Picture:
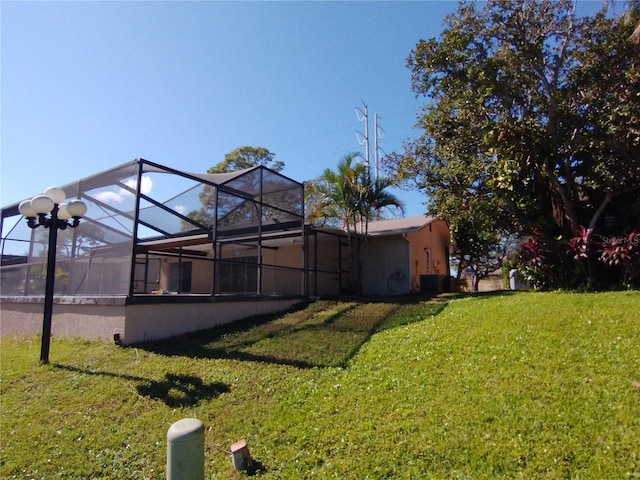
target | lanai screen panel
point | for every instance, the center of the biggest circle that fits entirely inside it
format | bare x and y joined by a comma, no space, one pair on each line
283,200
92,259
175,209
172,204
259,200
260,217
141,206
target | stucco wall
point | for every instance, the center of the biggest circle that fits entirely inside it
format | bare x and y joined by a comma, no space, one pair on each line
154,322
433,238
88,319
283,273
393,264
201,273
386,267
102,318
285,255
327,255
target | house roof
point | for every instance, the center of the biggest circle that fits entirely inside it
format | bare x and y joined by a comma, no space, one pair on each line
399,225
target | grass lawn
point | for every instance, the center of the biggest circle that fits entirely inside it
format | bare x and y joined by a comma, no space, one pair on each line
515,385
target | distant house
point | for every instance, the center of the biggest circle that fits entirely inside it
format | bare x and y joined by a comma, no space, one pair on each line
162,252
490,283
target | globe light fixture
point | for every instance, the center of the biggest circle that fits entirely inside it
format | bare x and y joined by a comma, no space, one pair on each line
50,212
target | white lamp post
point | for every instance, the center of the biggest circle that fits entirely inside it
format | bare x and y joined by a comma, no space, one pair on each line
49,212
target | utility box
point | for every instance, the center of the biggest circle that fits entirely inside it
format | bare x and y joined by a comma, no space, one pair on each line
430,284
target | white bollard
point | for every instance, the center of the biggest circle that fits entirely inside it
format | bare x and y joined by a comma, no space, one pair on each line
185,450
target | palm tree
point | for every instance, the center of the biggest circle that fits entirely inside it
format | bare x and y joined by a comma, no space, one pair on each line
350,197
336,196
633,7
376,198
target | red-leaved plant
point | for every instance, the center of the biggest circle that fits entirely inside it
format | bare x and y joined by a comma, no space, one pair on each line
621,251
579,245
624,252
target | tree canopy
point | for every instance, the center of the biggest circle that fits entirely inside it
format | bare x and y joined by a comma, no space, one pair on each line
238,159
532,123
247,157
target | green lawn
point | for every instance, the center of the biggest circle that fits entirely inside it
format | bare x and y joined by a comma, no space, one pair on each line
526,385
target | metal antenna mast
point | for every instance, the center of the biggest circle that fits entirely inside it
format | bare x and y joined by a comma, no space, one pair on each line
363,115
376,133
363,138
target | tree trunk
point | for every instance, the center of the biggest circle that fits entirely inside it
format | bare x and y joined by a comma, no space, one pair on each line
476,282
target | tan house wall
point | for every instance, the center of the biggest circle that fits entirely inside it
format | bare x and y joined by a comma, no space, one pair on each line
202,276
326,279
275,280
287,277
433,238
393,263
201,273
284,256
282,271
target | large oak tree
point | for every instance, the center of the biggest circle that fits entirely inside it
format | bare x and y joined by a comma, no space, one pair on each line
532,122
247,157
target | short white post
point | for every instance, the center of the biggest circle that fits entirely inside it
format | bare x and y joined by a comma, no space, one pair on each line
185,450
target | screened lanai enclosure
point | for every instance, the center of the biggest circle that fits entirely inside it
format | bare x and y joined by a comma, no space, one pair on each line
152,230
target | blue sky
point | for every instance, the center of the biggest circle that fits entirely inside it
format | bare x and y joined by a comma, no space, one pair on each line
89,85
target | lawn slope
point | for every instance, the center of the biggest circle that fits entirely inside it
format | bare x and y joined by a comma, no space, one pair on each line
527,385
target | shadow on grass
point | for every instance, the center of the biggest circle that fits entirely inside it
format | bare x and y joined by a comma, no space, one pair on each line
326,333
175,390
182,390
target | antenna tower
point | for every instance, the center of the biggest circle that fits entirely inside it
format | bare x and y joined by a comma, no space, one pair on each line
363,138
378,132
